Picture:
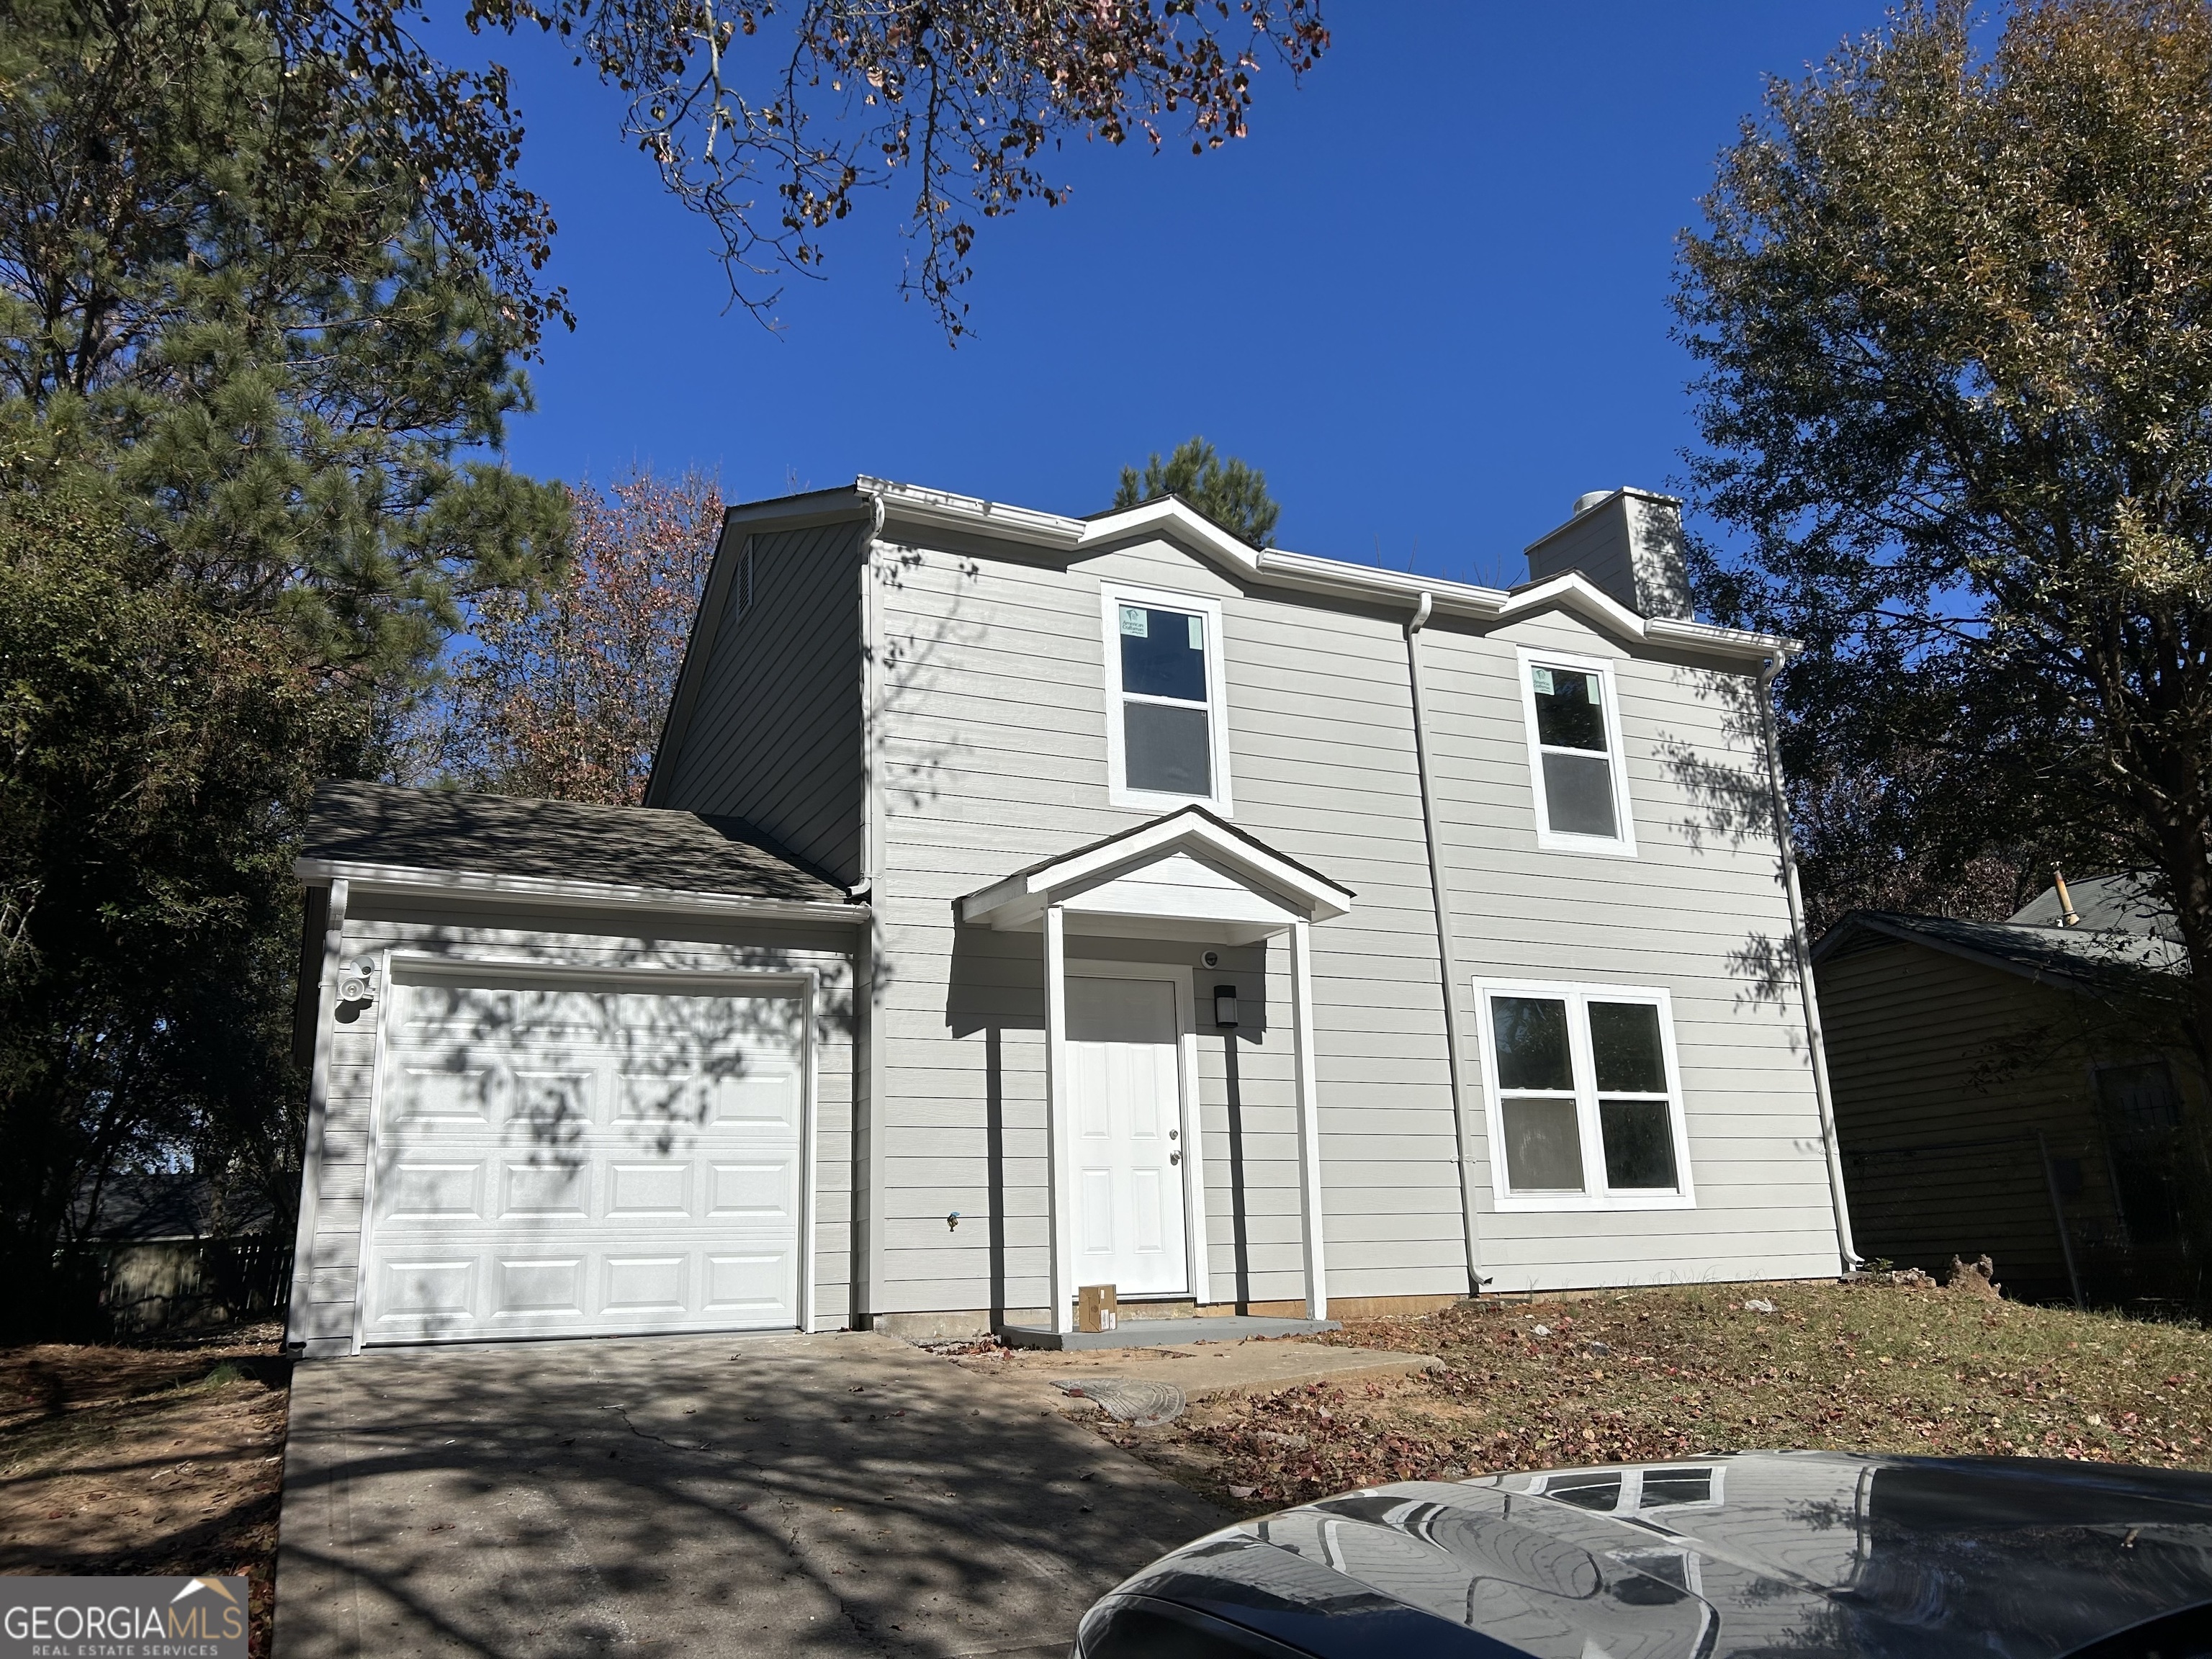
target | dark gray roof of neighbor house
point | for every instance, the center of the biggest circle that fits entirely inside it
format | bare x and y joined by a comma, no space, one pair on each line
2079,955
141,1208
555,840
2122,903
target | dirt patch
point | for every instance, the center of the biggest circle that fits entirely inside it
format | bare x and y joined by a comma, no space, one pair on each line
146,1460
1646,1375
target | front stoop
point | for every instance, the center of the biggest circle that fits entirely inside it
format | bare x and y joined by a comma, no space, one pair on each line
1162,1332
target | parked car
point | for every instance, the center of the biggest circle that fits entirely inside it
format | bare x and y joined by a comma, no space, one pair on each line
1758,1553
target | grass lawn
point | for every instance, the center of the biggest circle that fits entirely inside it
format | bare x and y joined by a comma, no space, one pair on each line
1645,1375
152,1461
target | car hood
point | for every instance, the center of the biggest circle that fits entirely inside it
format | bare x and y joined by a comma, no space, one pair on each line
1758,1552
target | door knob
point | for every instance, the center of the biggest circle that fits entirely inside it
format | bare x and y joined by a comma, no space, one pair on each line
1174,1157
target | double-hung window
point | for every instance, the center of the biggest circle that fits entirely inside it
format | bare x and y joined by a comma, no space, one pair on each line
1574,754
1165,728
1586,1102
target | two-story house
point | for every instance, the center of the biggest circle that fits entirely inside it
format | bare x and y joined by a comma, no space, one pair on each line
1025,903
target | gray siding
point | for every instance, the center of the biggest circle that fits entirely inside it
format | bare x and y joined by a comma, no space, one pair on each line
1698,911
552,938
771,733
993,745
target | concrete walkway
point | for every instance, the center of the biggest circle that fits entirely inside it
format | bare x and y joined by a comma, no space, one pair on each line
828,1495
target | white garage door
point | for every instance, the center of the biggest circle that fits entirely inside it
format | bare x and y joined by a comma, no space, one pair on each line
559,1159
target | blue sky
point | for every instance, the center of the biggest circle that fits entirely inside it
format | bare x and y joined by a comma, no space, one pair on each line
1427,295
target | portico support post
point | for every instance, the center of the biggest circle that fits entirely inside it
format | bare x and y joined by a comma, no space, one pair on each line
1059,1150
1302,1044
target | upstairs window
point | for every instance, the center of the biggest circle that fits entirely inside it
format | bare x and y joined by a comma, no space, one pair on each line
1586,1110
1165,725
1574,755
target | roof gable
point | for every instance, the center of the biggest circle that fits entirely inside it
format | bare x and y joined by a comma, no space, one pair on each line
1187,865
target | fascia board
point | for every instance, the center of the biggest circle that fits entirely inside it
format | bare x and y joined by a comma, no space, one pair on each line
798,512
1577,593
1316,574
1167,514
539,890
1731,641
941,509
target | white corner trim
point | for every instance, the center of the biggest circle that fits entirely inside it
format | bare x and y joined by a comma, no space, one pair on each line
1622,845
404,879
319,1101
1111,596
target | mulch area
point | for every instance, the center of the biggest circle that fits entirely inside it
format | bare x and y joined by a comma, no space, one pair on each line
157,1461
1650,1375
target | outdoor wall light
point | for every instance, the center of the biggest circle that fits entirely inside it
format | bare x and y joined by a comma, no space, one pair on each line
357,980
1224,1006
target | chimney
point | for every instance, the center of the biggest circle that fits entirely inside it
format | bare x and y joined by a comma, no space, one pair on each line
1628,542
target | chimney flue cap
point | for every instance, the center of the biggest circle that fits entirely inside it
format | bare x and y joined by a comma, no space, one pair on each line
1590,498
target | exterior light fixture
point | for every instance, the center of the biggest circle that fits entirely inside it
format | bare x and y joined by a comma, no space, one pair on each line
1224,1006
357,981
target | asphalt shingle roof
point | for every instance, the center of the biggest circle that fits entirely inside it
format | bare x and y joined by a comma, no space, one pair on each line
2080,953
557,839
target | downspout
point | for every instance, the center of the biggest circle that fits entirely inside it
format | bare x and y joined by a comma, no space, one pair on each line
1447,951
867,989
1802,949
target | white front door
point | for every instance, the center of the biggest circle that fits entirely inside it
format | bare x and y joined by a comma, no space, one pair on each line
1123,1072
557,1159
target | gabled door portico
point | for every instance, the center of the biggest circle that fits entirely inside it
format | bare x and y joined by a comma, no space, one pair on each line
1188,876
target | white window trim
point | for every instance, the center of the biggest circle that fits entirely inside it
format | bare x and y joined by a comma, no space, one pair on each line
1111,596
1622,845
1595,1195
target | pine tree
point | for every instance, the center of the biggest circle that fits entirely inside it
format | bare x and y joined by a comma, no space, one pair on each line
1230,493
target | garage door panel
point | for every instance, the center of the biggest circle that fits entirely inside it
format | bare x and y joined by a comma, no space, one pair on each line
538,1287
430,1095
647,1284
547,1192
766,1102
655,1191
748,1285
438,1291
415,1191
586,1162
754,1191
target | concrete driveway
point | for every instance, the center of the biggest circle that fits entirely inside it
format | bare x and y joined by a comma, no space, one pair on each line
699,1496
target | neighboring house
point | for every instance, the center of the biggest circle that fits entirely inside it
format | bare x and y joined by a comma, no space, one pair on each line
170,1252
2000,1088
1025,903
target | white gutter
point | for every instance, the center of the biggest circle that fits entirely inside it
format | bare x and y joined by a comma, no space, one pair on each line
941,507
1447,951
402,878
1800,948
